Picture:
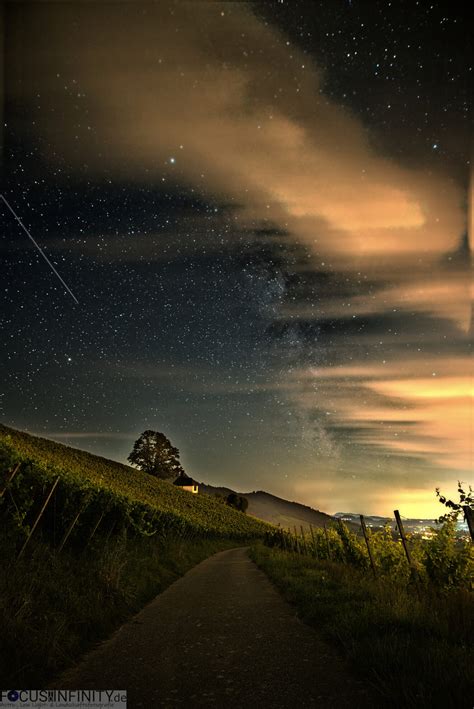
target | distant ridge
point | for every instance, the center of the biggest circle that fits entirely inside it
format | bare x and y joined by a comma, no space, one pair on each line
276,510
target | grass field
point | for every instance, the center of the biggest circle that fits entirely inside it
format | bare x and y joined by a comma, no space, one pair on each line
54,607
417,652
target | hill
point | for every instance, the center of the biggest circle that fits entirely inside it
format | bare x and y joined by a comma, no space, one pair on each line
141,498
276,510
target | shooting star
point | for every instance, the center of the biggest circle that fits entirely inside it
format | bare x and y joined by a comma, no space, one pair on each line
40,250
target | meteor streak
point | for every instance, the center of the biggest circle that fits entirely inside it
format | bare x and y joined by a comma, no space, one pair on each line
40,250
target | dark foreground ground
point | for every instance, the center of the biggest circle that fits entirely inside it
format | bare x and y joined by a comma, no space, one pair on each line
221,636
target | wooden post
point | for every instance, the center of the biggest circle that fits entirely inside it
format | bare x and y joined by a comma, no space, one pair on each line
303,537
327,542
12,475
291,540
364,530
340,524
402,536
314,541
414,572
297,541
45,504
71,527
14,503
95,527
470,520
110,531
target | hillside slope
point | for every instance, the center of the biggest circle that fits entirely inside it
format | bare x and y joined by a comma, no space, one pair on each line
79,468
276,510
283,512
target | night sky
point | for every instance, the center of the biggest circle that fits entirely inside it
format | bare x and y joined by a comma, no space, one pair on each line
261,209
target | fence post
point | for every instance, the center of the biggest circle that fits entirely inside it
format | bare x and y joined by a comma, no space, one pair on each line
303,537
314,541
364,530
110,531
297,541
414,572
342,534
12,475
71,527
327,542
402,536
470,520
45,504
95,528
291,540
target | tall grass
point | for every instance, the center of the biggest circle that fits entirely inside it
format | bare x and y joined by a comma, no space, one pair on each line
417,651
54,607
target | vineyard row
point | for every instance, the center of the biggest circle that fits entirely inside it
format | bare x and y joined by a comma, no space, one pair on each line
443,560
36,496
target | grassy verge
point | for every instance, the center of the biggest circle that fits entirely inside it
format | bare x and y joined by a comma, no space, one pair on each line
416,652
54,607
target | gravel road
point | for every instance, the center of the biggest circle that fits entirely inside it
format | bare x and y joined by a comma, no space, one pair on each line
221,636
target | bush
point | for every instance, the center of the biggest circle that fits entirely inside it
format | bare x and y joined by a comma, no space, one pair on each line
448,563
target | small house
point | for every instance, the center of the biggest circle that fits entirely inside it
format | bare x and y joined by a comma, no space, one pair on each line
186,483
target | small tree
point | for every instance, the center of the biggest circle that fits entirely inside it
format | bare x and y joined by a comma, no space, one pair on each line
154,454
448,563
237,502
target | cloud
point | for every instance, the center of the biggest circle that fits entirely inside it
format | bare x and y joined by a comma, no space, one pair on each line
419,408
89,435
181,91
440,293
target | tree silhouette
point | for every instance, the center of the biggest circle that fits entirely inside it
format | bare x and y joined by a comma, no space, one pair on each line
238,502
154,454
465,504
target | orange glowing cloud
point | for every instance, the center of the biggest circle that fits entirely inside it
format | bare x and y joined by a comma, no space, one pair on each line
290,155
427,416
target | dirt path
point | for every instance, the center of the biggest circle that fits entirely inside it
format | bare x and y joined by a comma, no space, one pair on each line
221,636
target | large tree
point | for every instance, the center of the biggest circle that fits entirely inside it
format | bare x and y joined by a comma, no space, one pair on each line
154,454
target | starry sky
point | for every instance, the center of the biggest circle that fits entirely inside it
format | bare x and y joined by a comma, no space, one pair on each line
262,211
